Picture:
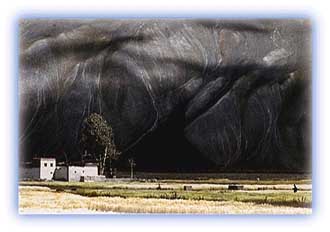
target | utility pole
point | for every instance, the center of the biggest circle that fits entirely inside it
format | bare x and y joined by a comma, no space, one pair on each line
132,164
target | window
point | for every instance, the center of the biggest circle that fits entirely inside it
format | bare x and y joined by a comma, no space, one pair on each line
51,164
45,164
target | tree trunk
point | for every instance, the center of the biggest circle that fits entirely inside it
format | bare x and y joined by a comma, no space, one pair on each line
100,165
103,161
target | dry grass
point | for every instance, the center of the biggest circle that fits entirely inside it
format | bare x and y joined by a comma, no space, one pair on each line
280,195
250,178
44,200
148,185
133,205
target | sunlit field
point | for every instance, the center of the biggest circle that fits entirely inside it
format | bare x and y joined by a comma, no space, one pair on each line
44,200
208,196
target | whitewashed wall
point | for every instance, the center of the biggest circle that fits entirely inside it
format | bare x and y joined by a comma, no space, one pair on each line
47,168
75,172
91,171
64,173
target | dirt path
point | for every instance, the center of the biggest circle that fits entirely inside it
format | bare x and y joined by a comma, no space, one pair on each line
42,200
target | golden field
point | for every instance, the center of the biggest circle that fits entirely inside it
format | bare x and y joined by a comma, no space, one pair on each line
140,197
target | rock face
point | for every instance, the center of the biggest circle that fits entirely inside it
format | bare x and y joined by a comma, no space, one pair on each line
240,88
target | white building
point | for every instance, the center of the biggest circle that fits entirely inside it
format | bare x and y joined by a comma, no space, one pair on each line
46,169
76,173
41,169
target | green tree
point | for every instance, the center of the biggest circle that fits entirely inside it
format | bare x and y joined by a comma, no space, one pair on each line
98,139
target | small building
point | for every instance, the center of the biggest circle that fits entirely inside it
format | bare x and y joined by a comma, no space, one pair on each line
76,173
46,169
39,169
